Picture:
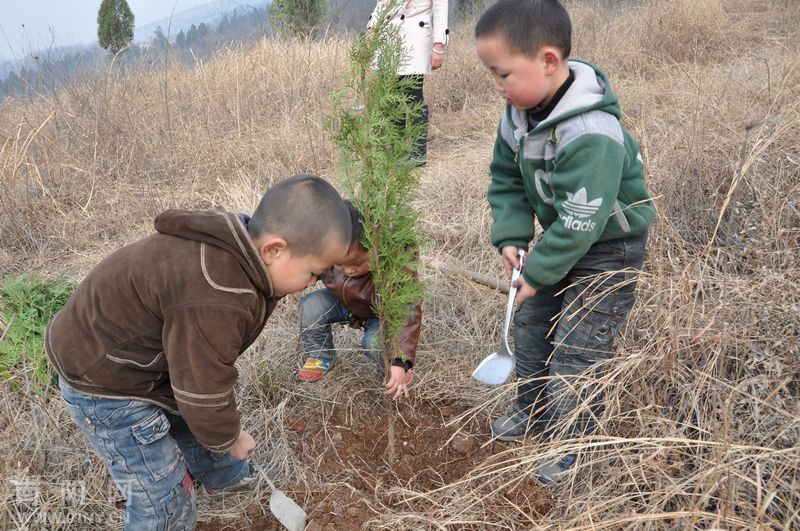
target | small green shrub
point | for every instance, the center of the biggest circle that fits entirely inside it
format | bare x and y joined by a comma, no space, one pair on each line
28,302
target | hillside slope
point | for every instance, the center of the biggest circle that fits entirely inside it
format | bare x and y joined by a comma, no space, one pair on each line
701,427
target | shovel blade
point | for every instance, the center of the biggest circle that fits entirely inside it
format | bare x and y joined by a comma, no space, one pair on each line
288,513
494,369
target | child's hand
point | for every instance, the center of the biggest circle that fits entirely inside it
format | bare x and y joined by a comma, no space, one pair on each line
243,447
510,255
524,291
397,382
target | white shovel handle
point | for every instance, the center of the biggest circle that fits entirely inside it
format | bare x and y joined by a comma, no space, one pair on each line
512,294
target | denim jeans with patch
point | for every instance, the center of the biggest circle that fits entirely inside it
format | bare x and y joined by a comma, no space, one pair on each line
147,451
565,333
319,310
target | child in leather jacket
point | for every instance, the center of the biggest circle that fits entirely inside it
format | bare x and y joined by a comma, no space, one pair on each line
347,298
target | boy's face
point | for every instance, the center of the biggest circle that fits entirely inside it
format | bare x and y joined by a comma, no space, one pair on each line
292,273
355,263
525,82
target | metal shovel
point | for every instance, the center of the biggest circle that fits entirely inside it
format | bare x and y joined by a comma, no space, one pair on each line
288,513
497,366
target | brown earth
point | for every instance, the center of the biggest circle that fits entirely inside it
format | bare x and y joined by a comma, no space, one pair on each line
357,480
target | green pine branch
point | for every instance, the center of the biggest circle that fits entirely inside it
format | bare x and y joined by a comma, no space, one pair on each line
376,132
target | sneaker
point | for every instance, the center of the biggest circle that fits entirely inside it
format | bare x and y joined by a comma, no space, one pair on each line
249,482
514,425
554,471
314,369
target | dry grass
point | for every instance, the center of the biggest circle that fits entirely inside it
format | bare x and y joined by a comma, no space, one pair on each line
702,421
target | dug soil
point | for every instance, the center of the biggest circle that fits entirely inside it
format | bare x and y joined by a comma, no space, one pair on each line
357,484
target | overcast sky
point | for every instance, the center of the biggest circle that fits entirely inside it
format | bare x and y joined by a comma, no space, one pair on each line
30,25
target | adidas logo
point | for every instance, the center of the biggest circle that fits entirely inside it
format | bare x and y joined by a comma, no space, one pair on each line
579,208
577,205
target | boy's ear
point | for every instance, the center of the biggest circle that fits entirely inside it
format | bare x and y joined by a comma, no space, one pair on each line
552,59
271,247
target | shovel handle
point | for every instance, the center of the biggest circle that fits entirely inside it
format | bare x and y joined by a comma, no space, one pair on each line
512,294
265,477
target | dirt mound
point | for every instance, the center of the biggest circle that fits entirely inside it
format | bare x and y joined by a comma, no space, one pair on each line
357,483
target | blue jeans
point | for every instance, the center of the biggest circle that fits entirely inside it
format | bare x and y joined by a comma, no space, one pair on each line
318,311
585,311
147,451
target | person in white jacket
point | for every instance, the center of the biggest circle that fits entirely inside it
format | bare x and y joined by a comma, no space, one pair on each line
423,29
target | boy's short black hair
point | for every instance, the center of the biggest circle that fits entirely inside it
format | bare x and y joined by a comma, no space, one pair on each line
356,224
303,210
528,25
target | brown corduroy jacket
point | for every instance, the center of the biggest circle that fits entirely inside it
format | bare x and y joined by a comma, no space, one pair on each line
356,294
164,319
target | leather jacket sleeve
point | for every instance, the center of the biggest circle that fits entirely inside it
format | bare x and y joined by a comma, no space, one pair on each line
356,294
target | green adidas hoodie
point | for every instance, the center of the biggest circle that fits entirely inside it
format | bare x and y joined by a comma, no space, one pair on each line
579,171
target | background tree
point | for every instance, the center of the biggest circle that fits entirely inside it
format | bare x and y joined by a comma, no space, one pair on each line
202,31
191,35
159,38
224,24
296,17
114,25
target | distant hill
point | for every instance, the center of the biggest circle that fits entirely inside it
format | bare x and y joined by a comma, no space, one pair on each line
202,29
190,34
211,14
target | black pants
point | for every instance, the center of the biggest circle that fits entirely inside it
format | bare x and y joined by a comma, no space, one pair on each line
415,94
565,333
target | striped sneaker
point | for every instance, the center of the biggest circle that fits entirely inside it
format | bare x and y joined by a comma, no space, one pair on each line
314,369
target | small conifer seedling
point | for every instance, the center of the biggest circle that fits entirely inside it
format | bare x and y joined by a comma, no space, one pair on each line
376,130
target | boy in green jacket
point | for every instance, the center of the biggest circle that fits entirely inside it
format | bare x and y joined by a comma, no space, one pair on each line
561,157
145,348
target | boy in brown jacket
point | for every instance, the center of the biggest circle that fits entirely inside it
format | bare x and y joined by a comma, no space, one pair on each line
145,347
347,298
